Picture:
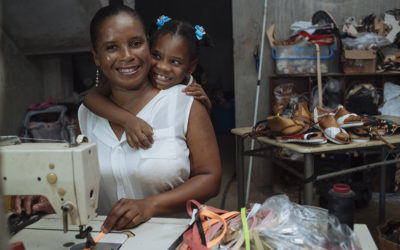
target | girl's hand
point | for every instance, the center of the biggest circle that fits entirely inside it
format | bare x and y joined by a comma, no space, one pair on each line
128,213
198,93
30,203
139,134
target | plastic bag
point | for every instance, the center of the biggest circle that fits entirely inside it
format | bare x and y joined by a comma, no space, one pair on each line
282,224
366,41
391,95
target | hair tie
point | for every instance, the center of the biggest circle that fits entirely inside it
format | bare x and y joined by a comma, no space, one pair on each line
162,20
199,32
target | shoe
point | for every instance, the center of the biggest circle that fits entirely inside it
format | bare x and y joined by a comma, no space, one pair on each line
347,119
284,126
307,138
359,134
326,122
282,95
302,115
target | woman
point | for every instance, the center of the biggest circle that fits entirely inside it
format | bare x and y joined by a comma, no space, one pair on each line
139,184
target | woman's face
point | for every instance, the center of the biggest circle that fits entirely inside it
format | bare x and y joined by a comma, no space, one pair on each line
122,51
170,61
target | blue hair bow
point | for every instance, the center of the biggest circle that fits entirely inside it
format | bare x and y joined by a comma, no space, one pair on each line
199,32
162,20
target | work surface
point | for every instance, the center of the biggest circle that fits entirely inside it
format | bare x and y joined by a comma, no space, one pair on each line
47,233
327,147
157,233
307,148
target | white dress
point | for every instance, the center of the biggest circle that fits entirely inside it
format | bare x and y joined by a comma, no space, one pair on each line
136,174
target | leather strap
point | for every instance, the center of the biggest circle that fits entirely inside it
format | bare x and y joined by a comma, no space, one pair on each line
212,220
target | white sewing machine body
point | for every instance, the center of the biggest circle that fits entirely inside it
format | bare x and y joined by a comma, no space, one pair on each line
68,176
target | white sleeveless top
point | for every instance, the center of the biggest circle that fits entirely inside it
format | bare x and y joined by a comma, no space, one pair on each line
136,174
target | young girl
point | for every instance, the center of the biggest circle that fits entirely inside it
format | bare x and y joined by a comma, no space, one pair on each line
175,47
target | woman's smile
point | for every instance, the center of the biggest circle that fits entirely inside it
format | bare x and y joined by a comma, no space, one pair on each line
128,70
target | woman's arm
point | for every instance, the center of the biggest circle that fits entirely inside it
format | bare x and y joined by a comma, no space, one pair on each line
138,133
204,181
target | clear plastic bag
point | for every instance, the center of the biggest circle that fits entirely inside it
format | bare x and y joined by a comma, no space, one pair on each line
282,224
366,41
391,99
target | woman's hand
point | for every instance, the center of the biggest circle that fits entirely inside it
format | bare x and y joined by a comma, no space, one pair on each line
30,203
195,90
139,134
128,213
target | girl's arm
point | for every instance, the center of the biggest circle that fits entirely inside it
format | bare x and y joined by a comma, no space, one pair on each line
138,133
195,90
204,182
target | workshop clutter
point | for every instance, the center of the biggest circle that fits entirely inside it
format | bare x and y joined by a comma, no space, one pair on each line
278,223
367,45
48,121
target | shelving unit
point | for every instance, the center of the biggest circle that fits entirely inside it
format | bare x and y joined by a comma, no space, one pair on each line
303,83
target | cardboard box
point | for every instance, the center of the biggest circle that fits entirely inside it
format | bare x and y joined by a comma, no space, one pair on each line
359,61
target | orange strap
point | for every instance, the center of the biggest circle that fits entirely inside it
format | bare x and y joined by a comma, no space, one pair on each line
215,218
97,239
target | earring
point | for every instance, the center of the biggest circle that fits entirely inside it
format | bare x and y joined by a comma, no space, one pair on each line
97,77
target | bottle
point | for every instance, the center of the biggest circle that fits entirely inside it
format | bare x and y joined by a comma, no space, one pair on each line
341,203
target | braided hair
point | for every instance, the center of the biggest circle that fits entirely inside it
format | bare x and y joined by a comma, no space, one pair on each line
186,31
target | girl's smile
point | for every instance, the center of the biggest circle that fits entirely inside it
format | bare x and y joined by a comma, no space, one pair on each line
171,62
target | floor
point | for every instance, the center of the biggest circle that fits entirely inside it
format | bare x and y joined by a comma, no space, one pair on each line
260,192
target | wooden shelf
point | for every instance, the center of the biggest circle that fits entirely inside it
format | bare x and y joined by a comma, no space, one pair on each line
303,83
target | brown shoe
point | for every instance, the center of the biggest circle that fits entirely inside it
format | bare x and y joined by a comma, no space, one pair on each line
301,115
284,126
326,122
347,119
282,95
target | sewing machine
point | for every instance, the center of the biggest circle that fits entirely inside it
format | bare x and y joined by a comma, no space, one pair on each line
68,175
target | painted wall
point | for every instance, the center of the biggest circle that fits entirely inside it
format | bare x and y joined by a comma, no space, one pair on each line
31,80
22,86
247,23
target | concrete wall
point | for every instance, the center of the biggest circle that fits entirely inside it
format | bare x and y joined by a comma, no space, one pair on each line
22,86
247,23
31,80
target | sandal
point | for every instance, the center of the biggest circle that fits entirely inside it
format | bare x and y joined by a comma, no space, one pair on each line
347,119
326,122
359,134
282,95
309,138
302,115
285,126
260,129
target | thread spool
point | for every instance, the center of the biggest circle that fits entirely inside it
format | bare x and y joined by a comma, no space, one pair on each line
341,203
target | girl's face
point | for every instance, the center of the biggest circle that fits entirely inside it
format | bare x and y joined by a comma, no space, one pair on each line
122,51
171,62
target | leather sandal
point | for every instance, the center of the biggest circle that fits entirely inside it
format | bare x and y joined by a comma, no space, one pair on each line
307,138
359,134
285,126
282,95
347,119
302,115
326,122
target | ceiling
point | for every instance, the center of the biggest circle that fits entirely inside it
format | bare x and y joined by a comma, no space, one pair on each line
50,26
